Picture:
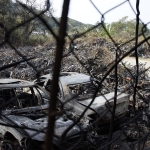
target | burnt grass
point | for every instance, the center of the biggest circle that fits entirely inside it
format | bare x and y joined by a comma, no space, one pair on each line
93,57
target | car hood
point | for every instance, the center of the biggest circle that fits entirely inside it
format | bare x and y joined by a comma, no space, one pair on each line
101,103
40,125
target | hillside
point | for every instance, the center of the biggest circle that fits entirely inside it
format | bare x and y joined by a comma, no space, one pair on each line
72,24
12,14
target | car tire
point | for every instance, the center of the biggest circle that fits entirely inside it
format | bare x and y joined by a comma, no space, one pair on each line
9,145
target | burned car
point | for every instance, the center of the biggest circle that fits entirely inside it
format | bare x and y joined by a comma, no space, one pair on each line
23,119
78,89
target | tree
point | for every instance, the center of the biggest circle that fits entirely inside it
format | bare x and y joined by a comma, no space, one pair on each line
13,14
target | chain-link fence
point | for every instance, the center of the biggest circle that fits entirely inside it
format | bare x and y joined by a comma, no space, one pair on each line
81,94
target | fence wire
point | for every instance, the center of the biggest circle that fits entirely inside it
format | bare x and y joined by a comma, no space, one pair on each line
106,106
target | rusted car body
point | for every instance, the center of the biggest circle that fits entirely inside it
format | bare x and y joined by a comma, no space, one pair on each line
78,90
24,104
23,119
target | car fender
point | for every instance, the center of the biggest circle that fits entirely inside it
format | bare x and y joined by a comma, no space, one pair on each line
6,129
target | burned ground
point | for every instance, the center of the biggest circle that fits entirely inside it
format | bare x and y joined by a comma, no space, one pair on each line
95,56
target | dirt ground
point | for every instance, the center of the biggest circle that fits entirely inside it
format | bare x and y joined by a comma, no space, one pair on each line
132,61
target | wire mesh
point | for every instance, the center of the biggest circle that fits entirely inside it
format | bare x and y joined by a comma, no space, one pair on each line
105,107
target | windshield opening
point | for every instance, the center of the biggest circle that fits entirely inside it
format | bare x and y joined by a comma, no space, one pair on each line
83,90
19,98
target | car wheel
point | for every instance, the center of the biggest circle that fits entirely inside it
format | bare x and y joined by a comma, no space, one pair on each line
8,145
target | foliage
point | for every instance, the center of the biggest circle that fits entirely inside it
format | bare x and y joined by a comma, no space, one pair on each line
11,15
121,30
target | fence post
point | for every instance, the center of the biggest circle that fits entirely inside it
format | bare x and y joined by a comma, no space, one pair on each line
57,66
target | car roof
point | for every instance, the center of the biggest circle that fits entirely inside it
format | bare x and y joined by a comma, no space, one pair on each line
14,83
69,77
75,78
